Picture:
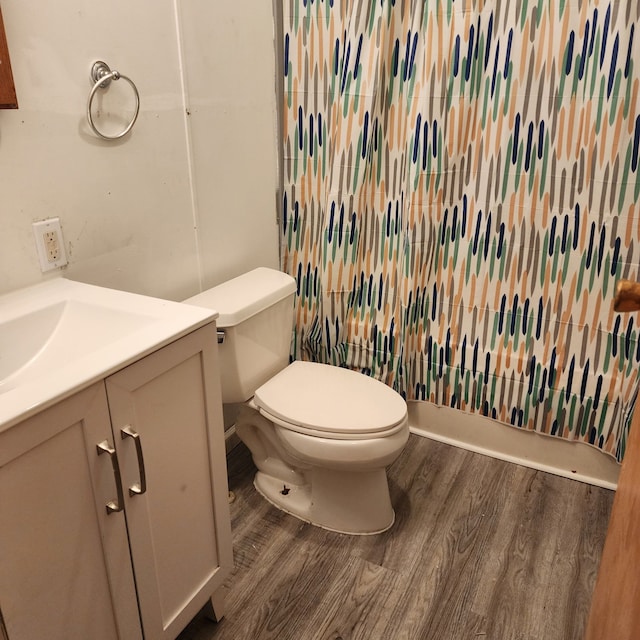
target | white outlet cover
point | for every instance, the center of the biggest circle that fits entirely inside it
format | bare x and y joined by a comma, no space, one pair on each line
40,228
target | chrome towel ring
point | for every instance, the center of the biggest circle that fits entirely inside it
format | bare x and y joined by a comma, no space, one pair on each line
101,76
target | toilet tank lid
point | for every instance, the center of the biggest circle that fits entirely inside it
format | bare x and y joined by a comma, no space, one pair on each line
242,297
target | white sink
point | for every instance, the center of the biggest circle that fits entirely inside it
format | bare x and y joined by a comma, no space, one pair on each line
61,336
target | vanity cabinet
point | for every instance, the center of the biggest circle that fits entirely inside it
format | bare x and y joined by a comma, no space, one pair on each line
81,558
60,555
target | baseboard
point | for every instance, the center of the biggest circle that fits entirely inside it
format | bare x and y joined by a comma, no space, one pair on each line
574,460
231,439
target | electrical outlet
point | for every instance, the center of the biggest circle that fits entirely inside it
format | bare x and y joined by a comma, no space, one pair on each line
49,244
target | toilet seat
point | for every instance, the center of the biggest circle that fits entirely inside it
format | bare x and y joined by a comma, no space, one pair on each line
330,402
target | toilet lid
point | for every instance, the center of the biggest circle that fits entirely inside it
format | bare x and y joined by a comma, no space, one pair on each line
331,400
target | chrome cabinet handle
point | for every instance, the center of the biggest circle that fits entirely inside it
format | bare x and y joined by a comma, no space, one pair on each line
138,488
113,507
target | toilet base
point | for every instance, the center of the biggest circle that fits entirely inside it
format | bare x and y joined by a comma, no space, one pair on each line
351,502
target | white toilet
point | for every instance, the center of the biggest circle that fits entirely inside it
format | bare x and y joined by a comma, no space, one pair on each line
320,436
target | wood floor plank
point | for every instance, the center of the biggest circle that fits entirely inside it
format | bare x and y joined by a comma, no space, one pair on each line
356,604
518,595
455,552
481,549
503,522
579,546
421,483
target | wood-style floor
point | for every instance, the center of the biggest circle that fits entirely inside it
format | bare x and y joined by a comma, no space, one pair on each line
481,549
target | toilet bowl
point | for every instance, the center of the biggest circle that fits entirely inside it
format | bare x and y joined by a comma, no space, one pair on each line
320,436
336,430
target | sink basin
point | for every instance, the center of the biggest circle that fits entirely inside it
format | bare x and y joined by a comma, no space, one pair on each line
41,341
61,336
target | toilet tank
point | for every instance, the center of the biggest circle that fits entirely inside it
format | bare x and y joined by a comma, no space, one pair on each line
256,316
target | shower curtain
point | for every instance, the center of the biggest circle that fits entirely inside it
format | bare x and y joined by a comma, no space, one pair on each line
460,197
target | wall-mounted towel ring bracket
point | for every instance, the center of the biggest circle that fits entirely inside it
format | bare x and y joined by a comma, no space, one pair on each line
101,76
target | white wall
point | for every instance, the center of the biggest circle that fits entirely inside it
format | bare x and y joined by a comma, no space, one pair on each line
187,199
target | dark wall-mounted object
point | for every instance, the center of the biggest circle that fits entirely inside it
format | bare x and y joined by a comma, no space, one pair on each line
8,99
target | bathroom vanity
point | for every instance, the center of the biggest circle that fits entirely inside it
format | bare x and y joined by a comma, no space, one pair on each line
114,518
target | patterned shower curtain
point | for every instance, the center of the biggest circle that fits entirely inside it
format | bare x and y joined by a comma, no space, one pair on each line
460,197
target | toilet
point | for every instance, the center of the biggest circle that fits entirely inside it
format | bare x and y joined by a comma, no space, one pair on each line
320,436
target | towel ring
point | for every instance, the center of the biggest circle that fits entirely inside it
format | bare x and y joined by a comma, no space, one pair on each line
101,76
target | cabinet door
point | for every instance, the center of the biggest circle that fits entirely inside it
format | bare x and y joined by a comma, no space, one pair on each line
65,572
179,527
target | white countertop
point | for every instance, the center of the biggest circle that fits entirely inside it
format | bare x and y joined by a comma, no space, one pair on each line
61,336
